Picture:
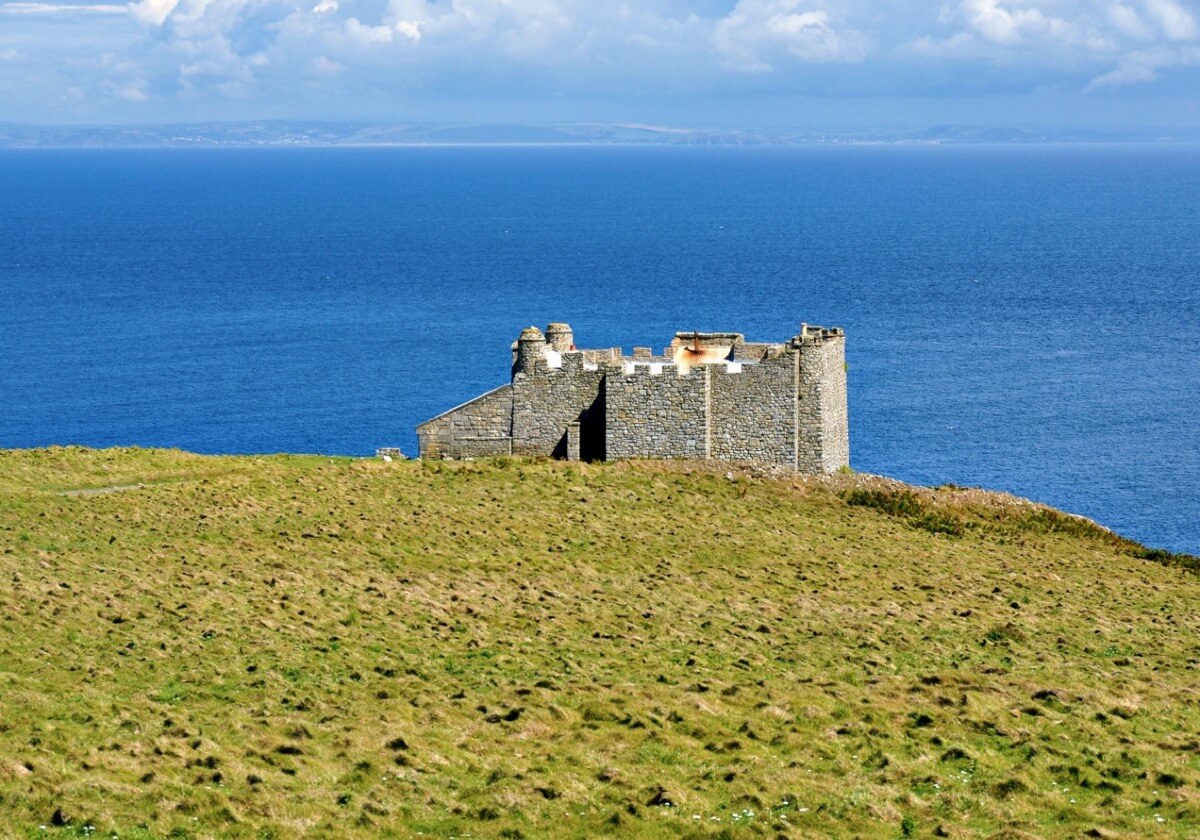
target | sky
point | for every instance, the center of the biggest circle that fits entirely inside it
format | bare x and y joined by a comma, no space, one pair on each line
766,64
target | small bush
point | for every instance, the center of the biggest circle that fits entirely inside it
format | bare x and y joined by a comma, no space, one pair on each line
898,503
907,505
1005,633
939,523
1046,521
1190,562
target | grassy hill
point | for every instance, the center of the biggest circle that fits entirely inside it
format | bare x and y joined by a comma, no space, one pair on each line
268,647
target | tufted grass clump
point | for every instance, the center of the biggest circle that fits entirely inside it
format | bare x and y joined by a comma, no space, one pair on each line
907,505
1190,562
902,503
300,646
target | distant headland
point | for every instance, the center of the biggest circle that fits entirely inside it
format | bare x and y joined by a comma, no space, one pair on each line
315,133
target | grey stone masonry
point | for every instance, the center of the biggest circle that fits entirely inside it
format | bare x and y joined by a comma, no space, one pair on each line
482,426
654,412
710,395
822,428
753,410
548,394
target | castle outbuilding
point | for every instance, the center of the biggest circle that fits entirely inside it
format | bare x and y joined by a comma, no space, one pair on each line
708,396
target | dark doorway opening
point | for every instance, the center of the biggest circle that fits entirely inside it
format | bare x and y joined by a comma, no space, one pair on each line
592,428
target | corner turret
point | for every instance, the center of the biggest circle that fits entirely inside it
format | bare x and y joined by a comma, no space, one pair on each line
531,346
560,336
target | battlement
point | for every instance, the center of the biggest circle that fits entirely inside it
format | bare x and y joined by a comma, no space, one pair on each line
662,367
708,395
810,334
553,349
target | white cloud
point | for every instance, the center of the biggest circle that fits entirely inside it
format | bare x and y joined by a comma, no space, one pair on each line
215,61
326,67
1128,73
365,35
1142,66
1007,23
757,32
410,29
131,90
564,50
10,55
152,12
1174,21
57,9
1100,26
521,29
218,18
1129,23
937,47
1115,42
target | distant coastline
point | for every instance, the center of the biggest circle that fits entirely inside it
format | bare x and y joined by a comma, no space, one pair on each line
310,134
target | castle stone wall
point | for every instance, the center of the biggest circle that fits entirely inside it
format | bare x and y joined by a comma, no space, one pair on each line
546,400
474,429
754,411
754,350
599,357
657,415
835,420
822,438
776,403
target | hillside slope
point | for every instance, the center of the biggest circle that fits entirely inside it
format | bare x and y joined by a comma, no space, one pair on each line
277,646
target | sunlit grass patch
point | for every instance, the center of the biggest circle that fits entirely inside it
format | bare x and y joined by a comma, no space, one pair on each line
285,646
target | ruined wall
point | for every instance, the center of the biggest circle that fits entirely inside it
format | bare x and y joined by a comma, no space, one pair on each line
823,443
474,429
704,339
754,411
546,400
661,415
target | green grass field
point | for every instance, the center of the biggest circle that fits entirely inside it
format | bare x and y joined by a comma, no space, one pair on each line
285,646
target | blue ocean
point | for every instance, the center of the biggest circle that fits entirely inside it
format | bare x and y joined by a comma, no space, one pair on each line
1019,318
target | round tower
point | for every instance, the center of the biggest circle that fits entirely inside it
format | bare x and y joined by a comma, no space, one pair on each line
560,337
531,346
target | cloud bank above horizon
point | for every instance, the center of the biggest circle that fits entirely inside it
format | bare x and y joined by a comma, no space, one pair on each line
715,60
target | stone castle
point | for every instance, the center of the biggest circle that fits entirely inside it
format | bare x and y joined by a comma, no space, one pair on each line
710,395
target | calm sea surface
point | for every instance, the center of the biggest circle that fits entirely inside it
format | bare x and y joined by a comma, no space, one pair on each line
1021,318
